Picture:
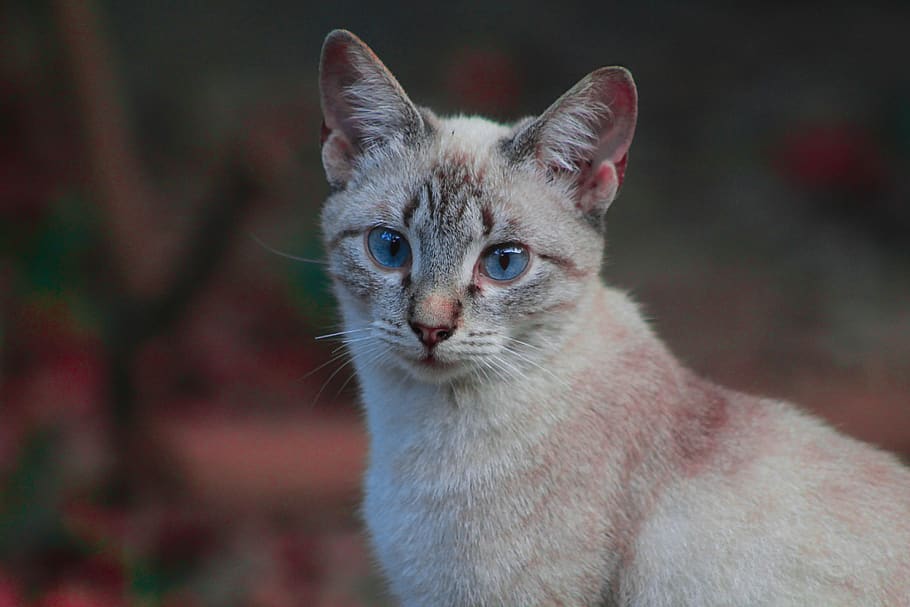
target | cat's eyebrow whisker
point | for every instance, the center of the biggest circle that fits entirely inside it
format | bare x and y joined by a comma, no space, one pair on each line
286,255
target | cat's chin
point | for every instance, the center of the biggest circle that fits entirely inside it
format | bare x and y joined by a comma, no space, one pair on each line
432,370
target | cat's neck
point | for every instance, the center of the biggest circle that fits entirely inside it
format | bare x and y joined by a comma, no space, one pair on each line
608,361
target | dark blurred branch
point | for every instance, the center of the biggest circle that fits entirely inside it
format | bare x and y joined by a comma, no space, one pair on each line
136,319
117,179
145,295
203,250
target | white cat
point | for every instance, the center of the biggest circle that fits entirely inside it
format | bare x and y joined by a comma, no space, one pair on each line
531,441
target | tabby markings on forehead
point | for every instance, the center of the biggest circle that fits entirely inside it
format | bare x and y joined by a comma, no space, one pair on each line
447,194
488,221
409,209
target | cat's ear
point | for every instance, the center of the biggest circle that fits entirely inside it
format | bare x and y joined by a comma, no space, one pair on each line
585,136
363,106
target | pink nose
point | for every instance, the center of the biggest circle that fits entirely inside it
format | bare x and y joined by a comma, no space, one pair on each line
430,336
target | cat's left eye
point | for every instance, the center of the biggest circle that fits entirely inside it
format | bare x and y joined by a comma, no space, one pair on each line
504,262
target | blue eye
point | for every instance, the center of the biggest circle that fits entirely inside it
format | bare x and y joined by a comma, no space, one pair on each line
505,261
388,247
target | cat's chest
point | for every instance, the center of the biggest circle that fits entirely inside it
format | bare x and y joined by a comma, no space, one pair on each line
508,526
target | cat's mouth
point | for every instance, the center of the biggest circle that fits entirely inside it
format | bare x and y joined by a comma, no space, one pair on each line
428,366
430,360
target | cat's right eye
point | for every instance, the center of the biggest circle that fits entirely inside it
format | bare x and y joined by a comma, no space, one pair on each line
388,248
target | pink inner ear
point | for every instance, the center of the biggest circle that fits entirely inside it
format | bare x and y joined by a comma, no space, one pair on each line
336,72
337,50
600,186
619,93
605,180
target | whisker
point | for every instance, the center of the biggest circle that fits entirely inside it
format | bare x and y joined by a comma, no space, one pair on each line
524,343
376,353
338,333
331,377
286,255
328,362
537,365
481,370
487,369
521,355
346,382
345,342
375,356
497,368
516,370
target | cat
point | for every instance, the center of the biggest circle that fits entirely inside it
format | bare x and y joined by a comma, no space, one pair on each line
532,442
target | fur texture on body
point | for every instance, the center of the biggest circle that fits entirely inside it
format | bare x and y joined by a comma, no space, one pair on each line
531,441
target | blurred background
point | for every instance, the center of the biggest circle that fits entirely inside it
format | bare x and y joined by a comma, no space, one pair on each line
170,431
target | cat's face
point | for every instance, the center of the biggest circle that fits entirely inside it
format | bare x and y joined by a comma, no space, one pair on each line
458,260
459,248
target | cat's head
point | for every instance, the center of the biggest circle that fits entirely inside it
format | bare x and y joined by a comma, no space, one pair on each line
458,247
